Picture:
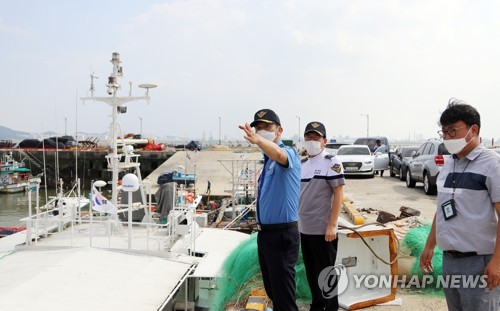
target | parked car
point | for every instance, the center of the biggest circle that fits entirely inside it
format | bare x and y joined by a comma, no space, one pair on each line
332,148
382,158
358,160
425,165
371,142
399,161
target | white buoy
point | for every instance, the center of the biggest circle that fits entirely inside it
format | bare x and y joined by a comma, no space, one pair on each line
130,183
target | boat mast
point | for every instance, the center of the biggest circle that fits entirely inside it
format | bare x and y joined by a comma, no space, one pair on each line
117,106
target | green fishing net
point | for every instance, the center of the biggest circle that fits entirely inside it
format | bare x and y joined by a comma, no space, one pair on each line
241,273
415,241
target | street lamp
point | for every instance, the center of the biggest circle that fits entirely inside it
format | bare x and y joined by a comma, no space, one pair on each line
299,126
219,129
367,124
140,118
65,126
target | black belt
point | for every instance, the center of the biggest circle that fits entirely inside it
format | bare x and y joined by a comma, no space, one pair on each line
275,227
457,254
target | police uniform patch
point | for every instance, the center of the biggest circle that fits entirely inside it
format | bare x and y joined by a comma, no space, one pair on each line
336,168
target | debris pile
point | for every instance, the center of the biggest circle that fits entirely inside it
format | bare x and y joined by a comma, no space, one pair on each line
385,217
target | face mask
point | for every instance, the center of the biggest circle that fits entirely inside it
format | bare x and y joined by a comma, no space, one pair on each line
267,135
313,147
454,146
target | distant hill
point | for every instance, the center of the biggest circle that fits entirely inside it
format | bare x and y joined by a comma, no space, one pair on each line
9,134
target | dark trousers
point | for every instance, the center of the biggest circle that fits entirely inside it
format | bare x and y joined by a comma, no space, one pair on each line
318,254
278,254
461,297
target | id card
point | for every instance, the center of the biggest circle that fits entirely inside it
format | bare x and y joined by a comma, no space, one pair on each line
449,210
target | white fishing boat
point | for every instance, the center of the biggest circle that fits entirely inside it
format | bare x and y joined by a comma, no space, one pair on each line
14,176
106,259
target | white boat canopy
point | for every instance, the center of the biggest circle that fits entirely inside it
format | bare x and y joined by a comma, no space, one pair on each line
86,279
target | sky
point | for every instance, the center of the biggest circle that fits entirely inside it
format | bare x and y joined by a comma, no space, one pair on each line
337,62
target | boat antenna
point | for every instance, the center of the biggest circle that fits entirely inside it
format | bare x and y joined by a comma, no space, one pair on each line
76,138
117,107
56,160
92,86
44,169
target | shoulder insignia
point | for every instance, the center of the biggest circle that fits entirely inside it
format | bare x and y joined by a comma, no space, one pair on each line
329,156
304,159
336,168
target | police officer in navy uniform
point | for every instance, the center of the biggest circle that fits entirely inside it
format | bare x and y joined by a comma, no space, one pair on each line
277,209
321,192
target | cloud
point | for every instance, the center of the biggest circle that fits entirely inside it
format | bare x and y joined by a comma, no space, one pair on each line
15,30
342,56
324,60
196,18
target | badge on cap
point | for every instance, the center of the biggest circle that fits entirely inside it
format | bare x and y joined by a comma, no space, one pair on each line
315,125
261,114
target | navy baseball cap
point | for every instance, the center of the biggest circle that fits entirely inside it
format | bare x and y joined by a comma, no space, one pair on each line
266,116
317,127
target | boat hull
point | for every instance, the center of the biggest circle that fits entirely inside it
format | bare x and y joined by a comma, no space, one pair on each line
14,188
20,187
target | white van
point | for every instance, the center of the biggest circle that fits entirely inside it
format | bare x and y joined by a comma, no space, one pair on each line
332,148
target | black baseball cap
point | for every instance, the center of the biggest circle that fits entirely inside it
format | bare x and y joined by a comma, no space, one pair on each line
266,116
317,127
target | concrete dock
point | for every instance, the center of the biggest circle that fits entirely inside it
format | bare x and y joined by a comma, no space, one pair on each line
215,166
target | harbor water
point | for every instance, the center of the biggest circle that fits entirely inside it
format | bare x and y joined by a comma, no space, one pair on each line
14,206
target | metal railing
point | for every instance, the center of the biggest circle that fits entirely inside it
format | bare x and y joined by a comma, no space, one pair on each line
64,214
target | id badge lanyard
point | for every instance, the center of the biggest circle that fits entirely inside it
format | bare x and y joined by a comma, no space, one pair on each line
449,209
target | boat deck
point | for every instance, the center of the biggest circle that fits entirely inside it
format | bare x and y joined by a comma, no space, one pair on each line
50,277
207,166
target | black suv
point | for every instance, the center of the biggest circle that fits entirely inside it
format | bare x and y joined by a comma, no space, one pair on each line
426,164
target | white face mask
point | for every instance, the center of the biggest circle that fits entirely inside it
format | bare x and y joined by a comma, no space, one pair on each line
313,147
454,146
267,135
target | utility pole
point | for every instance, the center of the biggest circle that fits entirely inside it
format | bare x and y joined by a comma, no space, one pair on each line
299,126
140,118
219,128
367,124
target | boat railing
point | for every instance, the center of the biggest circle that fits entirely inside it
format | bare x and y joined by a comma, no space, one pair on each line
242,213
107,231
